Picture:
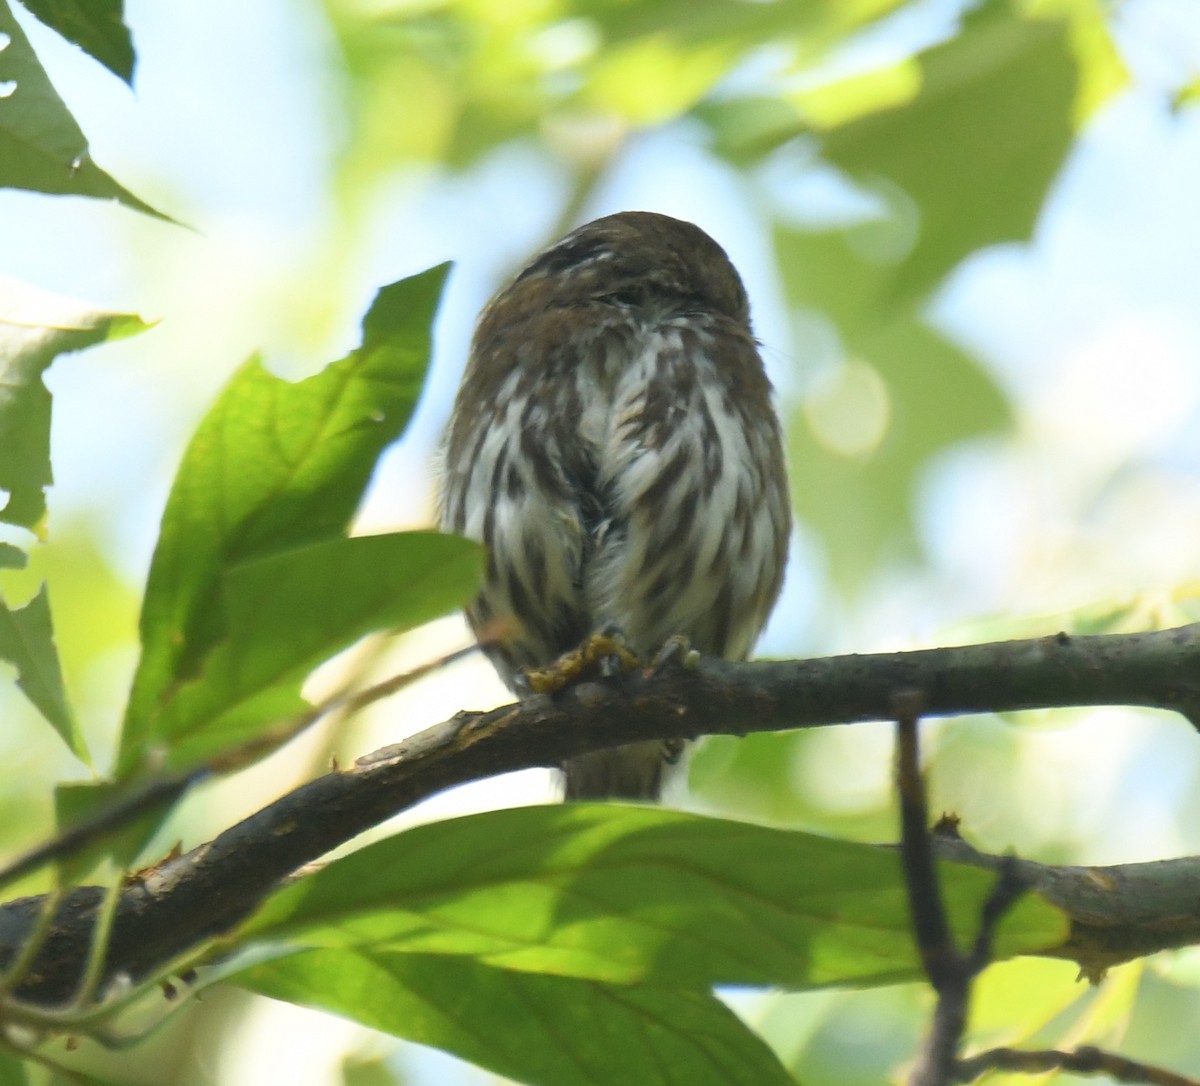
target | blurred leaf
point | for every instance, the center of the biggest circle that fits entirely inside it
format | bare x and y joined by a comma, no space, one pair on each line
979,146
27,640
95,609
36,327
1011,1002
744,129
653,79
13,1070
12,557
763,776
633,895
830,105
16,1072
111,821
1105,1018
288,612
852,475
745,23
1102,70
41,146
360,1070
96,26
74,1077
475,84
546,1031
273,466
1187,96
485,74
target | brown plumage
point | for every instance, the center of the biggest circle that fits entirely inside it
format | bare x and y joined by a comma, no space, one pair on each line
614,445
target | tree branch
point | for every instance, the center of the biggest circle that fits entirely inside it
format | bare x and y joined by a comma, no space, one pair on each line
1117,913
949,970
1085,1061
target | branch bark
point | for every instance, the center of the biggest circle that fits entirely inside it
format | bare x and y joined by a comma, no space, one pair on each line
1117,913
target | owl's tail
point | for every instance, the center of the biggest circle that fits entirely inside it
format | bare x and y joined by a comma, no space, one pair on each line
633,772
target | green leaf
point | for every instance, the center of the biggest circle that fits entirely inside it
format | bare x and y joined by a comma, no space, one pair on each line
904,393
1186,97
487,74
96,26
13,1070
627,895
546,1031
978,147
367,1069
73,1077
660,57
1012,1002
653,79
36,327
41,146
291,611
702,22
27,640
743,130
12,557
109,820
272,467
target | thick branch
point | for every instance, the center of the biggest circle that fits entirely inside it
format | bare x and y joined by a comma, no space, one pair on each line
1119,912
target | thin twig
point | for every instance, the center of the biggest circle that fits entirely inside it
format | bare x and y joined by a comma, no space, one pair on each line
356,702
1085,1060
97,955
945,967
939,955
18,970
948,969
73,840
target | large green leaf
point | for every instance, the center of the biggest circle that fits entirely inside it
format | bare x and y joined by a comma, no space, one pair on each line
291,611
27,640
41,146
96,26
36,327
978,147
542,1030
628,895
926,393
273,466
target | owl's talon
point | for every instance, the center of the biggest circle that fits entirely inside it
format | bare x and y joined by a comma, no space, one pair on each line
606,654
522,686
677,650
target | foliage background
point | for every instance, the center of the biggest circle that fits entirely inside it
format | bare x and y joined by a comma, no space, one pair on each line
989,382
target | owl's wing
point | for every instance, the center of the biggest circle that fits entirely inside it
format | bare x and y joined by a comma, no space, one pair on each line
520,479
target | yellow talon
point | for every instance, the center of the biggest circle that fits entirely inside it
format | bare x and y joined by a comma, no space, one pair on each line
596,656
